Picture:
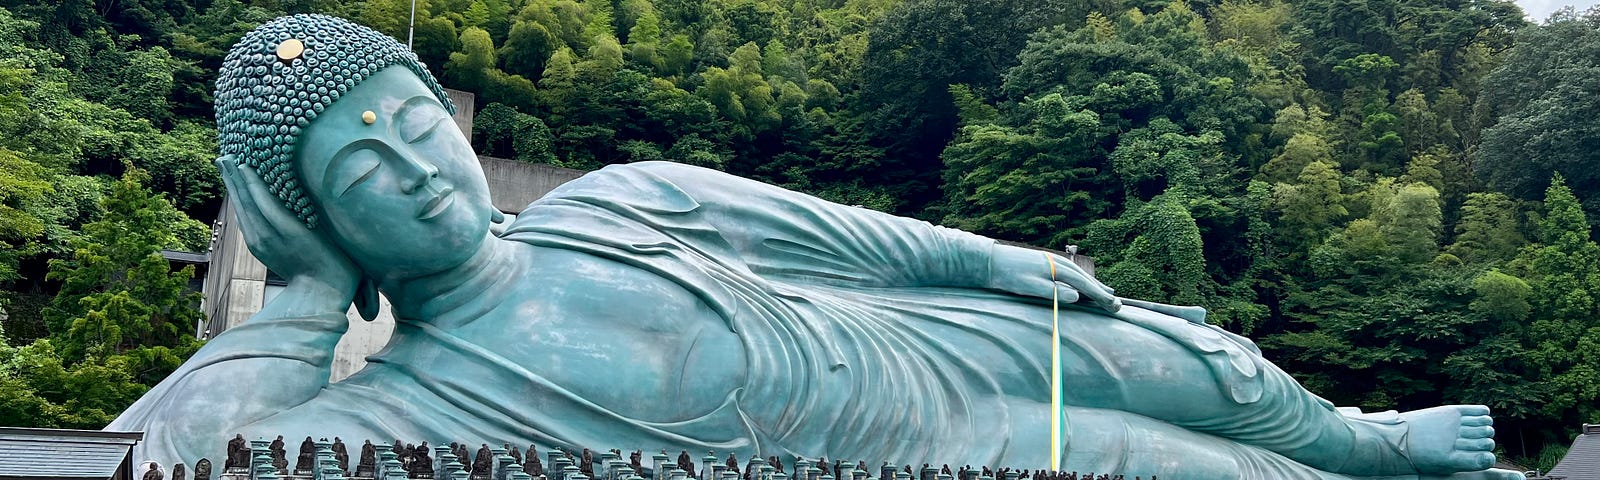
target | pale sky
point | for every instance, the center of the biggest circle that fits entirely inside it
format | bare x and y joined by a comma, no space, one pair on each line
1538,10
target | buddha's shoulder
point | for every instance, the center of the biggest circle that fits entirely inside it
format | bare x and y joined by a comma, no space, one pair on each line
573,280
671,185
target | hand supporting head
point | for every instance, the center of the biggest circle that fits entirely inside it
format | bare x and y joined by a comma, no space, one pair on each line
353,136
282,75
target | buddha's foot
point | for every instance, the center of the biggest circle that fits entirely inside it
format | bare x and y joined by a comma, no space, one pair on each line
1431,443
1450,439
1495,474
1436,442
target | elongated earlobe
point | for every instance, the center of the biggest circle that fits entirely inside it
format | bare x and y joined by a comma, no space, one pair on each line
367,298
496,216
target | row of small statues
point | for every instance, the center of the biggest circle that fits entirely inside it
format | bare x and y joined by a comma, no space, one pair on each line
262,460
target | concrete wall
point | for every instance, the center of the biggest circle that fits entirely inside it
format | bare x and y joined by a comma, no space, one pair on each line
364,338
464,102
513,184
236,280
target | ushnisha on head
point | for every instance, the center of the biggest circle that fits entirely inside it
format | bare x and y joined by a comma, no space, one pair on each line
281,76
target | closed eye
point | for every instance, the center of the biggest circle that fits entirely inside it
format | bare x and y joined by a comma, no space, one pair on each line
366,162
421,111
432,126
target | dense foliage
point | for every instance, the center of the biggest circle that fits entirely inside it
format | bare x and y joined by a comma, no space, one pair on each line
1397,198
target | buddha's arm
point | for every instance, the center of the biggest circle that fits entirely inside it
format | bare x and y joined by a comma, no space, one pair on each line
783,232
279,358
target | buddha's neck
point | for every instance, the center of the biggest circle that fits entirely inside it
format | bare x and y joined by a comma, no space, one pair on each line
471,285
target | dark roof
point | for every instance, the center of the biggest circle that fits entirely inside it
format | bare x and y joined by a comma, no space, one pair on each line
43,453
185,257
1504,464
1583,459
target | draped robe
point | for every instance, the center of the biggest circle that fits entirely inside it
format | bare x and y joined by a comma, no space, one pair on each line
864,335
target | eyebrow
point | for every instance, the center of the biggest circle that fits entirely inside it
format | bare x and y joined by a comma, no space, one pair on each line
410,103
339,156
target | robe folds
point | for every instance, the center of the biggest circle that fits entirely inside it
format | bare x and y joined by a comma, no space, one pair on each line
864,335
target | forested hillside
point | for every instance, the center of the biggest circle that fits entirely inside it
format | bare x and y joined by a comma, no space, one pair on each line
1396,198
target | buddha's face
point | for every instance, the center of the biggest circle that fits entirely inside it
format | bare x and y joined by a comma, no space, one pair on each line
397,184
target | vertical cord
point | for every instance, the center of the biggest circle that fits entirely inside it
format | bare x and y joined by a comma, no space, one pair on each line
1055,367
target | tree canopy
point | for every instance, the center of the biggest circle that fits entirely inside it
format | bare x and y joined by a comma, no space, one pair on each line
1396,198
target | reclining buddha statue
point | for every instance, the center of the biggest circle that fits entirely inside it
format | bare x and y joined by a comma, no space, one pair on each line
658,305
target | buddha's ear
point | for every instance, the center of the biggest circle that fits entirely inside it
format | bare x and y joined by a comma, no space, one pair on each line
367,298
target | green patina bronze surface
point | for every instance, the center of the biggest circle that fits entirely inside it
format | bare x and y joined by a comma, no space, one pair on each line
658,305
264,99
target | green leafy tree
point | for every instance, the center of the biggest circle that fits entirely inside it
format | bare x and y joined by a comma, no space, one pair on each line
1540,114
1564,272
921,47
1412,222
474,67
741,92
470,67
754,21
1488,230
996,174
23,189
37,389
1153,251
527,48
677,55
117,292
1310,207
137,81
644,37
502,131
1302,150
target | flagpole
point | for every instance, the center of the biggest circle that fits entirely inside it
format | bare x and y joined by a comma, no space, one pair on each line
411,28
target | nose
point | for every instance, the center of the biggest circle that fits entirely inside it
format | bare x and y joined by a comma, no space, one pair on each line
419,173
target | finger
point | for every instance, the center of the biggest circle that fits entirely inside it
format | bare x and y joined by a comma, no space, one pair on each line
272,209
1475,460
254,225
1477,432
1096,292
1066,293
1192,314
1477,444
1477,421
238,197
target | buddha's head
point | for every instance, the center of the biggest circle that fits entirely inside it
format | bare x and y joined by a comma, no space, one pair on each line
354,136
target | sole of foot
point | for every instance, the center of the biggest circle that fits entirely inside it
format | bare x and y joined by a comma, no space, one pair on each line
1492,474
1449,439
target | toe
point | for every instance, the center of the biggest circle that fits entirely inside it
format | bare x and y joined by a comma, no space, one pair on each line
1477,421
1477,432
1475,444
1473,461
1498,474
1495,474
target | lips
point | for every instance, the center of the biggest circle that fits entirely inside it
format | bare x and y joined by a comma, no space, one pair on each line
437,204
